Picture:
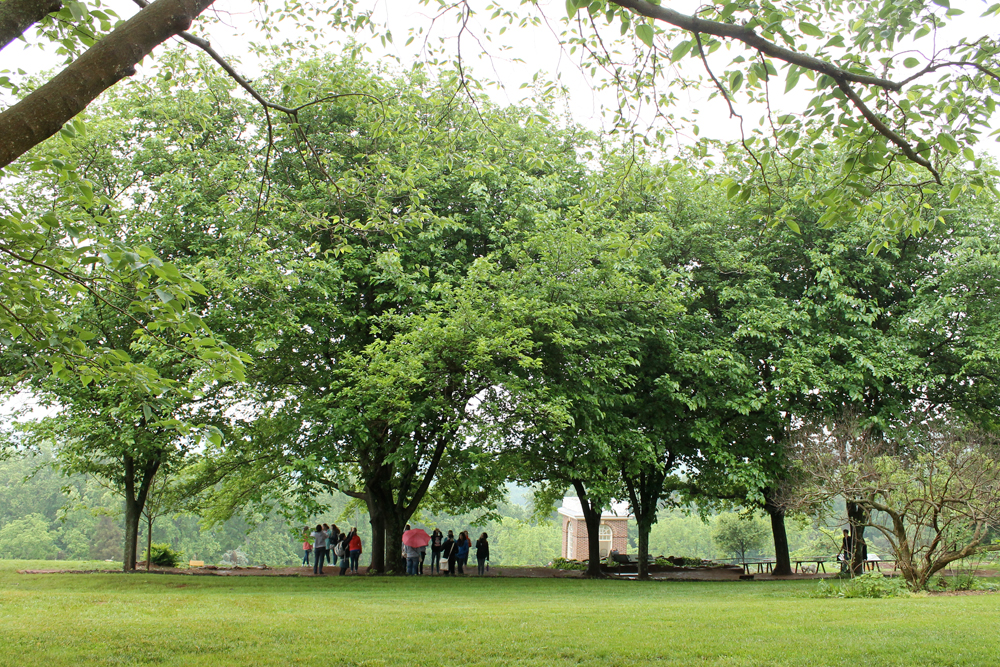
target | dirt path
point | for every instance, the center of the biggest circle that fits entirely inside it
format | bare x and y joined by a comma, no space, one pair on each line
693,574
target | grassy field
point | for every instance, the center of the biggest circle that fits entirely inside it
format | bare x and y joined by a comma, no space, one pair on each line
113,619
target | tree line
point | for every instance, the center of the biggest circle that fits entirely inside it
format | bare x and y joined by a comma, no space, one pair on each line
428,296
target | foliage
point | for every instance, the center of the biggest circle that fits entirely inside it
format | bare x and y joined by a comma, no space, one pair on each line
163,555
739,534
868,585
234,558
929,490
27,538
567,564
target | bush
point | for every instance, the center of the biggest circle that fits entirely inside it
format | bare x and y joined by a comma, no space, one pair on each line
678,561
234,558
869,585
566,564
164,556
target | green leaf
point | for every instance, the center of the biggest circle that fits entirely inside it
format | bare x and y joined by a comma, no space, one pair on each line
735,80
810,29
948,142
792,225
793,77
911,62
644,32
953,195
681,50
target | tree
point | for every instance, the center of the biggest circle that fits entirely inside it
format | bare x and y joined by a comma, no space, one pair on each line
929,490
120,430
28,538
355,300
739,535
897,108
588,309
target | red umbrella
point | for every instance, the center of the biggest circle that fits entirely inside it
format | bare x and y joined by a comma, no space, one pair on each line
416,538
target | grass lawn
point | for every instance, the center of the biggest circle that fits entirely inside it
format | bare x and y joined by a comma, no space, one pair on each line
113,619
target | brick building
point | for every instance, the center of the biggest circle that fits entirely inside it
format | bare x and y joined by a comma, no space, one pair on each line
613,535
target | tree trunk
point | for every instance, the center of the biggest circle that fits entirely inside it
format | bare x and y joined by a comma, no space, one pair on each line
149,539
782,560
394,544
858,517
16,16
135,500
644,527
132,515
42,113
377,547
592,518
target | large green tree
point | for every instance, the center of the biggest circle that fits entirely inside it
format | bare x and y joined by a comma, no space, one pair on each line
369,355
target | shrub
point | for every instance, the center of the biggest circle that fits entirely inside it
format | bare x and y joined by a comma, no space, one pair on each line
869,585
234,558
164,556
566,564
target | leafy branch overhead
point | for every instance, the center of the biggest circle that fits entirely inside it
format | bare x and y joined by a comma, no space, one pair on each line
846,49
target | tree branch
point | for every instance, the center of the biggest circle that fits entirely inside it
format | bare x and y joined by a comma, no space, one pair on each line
40,115
746,34
885,131
16,16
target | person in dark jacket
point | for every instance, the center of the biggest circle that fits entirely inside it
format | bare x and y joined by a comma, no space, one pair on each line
449,551
437,539
464,544
482,553
344,547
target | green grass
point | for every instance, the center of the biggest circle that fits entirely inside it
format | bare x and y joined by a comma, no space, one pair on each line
113,619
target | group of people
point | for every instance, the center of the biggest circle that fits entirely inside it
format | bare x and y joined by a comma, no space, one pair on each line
454,551
326,542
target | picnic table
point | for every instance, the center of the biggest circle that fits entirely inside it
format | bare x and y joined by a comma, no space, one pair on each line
819,563
629,559
871,564
762,565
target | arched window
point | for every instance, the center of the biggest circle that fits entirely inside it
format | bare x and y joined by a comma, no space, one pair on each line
604,536
570,540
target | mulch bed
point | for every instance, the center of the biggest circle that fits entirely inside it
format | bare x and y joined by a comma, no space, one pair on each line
658,573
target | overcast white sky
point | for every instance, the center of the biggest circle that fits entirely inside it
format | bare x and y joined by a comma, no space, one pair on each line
538,49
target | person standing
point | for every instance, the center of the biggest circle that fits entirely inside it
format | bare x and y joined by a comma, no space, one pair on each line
449,551
463,551
355,546
847,552
344,552
319,539
482,553
412,559
437,538
306,545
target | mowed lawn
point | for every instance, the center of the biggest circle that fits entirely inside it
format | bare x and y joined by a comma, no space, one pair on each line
113,619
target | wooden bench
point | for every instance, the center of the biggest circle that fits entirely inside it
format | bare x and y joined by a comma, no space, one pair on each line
767,563
819,564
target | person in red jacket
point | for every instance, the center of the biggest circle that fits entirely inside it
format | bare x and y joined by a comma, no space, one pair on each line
306,546
355,549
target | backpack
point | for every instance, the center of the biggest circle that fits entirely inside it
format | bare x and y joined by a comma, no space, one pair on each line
338,550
